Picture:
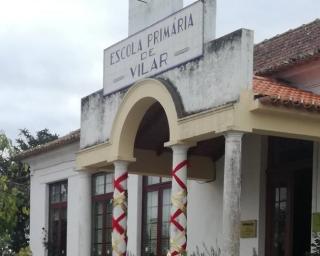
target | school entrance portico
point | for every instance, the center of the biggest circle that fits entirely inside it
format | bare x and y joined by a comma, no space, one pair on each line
195,144
148,138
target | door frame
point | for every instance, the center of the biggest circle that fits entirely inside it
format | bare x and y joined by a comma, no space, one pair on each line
285,170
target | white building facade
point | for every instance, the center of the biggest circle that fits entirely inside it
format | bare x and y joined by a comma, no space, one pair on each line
185,150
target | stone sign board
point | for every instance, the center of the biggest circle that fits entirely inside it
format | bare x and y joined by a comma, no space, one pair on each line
162,46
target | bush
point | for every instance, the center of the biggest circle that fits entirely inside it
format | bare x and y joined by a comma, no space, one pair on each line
24,252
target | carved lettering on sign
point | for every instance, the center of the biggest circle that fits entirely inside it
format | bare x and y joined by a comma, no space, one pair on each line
162,46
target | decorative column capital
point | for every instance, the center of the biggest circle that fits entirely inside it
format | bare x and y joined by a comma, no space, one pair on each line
233,135
180,146
121,164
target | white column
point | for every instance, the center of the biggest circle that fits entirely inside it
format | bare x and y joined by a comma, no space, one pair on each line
79,214
120,203
178,223
231,194
134,214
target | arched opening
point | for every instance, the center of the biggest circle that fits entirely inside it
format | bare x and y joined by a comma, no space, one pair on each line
146,95
153,131
152,158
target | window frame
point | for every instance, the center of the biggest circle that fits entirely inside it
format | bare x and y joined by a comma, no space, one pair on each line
160,188
60,205
95,199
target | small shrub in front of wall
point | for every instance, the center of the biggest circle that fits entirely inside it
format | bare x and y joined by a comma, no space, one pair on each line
206,251
25,252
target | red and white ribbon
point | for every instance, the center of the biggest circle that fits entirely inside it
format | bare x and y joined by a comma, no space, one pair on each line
178,219
119,218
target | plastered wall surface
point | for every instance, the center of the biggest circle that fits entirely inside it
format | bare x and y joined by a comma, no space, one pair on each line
211,81
52,167
204,207
206,201
97,115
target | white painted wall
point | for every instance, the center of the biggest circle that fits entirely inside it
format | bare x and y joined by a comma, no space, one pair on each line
79,214
204,207
305,76
208,82
51,167
206,201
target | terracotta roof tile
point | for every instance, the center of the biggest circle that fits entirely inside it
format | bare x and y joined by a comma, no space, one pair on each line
290,48
271,91
71,137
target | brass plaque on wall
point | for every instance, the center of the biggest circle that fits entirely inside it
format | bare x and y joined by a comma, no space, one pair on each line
316,222
248,229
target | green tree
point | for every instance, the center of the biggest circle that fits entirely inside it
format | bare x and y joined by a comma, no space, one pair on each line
14,189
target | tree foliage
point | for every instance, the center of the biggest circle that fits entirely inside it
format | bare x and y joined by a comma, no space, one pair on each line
15,189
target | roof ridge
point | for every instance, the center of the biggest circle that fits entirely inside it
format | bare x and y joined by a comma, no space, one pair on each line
69,138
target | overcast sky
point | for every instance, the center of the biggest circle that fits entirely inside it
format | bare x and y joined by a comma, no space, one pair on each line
51,51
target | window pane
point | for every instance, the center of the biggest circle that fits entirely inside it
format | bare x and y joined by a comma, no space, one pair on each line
63,238
165,179
150,247
280,217
151,223
54,224
283,194
166,207
55,193
97,250
99,184
109,183
98,236
164,247
108,249
153,180
108,235
64,192
98,208
98,222
109,215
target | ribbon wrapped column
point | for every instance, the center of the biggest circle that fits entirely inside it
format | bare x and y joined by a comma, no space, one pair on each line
119,218
231,194
178,221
